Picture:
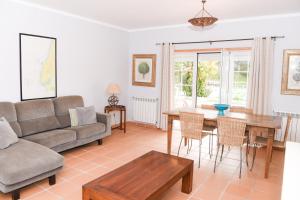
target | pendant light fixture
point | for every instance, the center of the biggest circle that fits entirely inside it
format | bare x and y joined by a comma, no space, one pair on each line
203,18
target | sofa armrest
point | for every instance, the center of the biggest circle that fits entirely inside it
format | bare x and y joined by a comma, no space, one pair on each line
105,119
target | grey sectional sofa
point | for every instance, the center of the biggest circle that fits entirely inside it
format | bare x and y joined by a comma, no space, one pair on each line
43,127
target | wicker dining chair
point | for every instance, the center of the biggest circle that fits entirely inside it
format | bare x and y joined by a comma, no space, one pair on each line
240,109
231,132
192,128
261,141
209,129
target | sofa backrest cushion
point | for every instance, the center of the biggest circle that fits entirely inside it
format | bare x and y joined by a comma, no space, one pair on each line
36,116
8,110
62,106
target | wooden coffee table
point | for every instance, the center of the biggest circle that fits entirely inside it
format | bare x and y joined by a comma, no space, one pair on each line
145,178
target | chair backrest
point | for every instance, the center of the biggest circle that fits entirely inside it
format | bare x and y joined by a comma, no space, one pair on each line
287,128
191,125
240,109
231,131
208,107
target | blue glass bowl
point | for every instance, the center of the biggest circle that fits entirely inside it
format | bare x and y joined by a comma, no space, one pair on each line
221,108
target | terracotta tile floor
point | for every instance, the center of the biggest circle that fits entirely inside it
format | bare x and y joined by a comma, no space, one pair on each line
86,163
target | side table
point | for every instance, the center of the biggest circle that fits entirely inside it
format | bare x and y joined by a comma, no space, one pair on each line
122,110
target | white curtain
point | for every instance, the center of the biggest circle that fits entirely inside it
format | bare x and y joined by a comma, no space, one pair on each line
260,76
166,83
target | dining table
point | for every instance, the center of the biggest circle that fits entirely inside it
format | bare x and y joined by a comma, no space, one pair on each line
268,122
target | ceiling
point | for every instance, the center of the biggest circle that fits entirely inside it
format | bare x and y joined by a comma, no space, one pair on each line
137,14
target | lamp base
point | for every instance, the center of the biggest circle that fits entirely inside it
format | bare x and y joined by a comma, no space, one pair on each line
113,100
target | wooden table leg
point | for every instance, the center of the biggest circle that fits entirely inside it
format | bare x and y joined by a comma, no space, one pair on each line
271,133
121,119
124,121
187,181
185,141
170,128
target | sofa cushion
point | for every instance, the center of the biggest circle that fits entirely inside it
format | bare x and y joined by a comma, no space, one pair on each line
7,134
86,115
36,116
53,138
25,160
8,111
62,106
87,131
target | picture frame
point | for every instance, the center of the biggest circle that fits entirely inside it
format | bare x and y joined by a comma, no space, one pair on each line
38,67
144,70
290,84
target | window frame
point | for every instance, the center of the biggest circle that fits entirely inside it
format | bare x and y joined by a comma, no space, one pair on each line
226,71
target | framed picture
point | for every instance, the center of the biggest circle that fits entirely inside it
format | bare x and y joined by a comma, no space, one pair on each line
290,84
38,72
144,70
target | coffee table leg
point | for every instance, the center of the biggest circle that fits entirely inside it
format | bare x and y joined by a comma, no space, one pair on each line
187,181
85,194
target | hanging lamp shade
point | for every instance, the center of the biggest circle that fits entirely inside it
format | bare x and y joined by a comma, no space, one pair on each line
203,18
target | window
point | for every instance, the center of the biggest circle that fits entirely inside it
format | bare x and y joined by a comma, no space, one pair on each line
239,87
183,81
209,78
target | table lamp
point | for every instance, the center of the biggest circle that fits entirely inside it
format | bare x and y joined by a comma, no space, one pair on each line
113,89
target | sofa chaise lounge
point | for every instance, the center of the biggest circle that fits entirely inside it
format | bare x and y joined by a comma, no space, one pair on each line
44,129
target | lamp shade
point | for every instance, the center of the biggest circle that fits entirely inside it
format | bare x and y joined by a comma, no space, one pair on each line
113,89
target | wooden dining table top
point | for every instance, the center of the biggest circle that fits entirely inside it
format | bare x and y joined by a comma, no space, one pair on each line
264,121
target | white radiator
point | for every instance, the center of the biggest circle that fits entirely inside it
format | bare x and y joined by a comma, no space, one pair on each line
145,110
294,131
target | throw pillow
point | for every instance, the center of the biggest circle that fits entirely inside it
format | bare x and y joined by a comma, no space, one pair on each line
73,117
7,134
86,115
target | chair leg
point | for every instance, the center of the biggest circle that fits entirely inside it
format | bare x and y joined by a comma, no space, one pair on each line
179,146
200,143
188,146
15,195
212,143
241,161
253,159
222,153
209,150
216,158
271,154
191,145
247,152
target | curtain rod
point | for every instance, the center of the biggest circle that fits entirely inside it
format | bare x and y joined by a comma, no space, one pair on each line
213,41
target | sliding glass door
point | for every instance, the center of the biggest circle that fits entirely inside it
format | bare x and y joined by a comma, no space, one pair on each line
208,84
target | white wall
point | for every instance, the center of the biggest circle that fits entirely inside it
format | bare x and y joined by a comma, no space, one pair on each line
89,55
288,26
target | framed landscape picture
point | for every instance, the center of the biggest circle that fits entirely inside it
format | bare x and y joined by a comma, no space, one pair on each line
144,70
38,74
290,84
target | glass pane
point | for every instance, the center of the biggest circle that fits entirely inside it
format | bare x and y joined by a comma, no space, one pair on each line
241,65
240,77
240,81
183,81
208,79
177,77
187,78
